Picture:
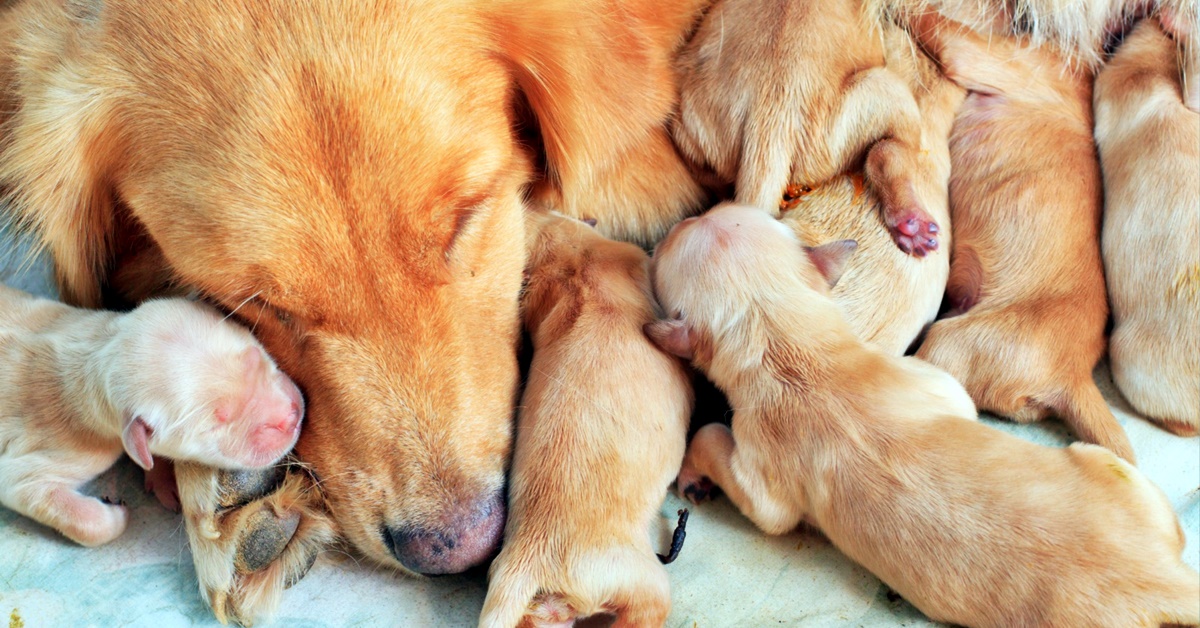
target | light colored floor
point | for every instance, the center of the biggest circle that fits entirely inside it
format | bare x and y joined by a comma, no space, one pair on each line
728,574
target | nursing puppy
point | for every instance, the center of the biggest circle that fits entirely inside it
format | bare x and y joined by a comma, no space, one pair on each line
1150,156
779,92
888,297
1026,281
170,378
973,526
600,437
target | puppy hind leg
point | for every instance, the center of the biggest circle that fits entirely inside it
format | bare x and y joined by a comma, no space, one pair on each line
891,167
511,589
85,520
879,111
645,608
635,586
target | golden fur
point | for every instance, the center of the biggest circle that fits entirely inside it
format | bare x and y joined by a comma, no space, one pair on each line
881,453
1150,155
774,92
349,179
1026,280
601,433
888,297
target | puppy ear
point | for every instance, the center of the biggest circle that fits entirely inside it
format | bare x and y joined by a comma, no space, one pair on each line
136,439
672,336
596,75
831,258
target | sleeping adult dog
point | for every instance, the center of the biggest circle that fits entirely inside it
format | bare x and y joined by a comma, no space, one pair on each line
349,179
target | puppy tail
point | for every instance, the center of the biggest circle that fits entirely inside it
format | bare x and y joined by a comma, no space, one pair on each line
509,595
1084,409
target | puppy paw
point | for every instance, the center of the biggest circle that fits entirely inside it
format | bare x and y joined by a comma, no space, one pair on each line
252,535
695,487
913,231
890,169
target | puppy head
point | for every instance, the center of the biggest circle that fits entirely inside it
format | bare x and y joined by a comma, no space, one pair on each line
570,260
717,274
195,387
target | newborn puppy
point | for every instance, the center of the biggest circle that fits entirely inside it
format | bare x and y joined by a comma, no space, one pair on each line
170,378
971,525
600,437
888,297
779,92
1150,155
1026,281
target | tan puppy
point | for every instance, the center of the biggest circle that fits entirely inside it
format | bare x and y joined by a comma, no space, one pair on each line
1026,280
600,437
1150,155
779,92
170,378
973,526
888,297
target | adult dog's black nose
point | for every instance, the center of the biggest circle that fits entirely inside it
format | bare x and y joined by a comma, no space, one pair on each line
469,535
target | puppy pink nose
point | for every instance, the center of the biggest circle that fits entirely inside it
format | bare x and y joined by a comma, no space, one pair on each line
286,422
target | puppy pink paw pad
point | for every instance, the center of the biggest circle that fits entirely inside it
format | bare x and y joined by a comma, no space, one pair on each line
915,233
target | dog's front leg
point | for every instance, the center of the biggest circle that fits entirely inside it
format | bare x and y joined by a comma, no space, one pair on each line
252,535
713,459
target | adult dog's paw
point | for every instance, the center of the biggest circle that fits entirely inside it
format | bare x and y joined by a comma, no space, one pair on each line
252,534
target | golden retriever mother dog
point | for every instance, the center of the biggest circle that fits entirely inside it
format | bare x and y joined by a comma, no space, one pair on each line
349,178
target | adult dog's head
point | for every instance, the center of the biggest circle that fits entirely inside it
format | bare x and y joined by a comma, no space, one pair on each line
347,178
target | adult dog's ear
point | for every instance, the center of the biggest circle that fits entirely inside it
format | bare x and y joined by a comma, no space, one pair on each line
595,73
672,336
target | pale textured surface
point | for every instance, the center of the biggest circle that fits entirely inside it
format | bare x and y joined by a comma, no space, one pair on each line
728,574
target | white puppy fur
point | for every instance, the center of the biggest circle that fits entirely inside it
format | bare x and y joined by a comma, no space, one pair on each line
170,378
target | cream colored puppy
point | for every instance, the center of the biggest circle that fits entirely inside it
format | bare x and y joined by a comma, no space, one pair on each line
600,437
779,92
887,296
973,526
1150,155
170,378
1026,278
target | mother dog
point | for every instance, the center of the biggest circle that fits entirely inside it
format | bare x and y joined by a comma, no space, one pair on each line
349,179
